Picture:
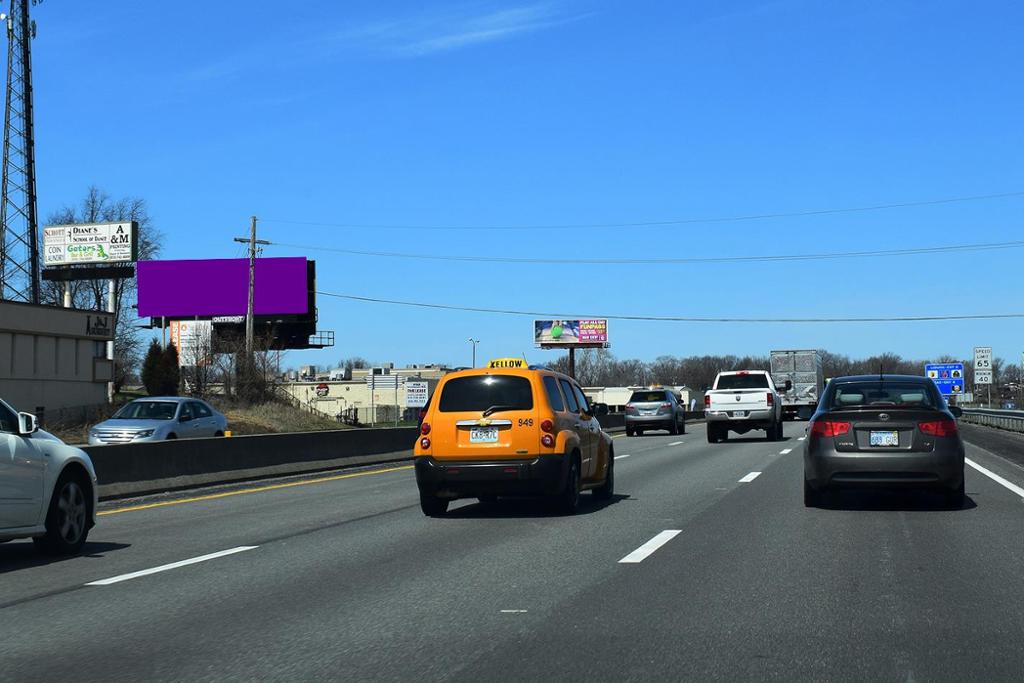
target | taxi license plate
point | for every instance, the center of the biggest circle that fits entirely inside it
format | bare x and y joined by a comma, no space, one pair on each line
483,435
885,438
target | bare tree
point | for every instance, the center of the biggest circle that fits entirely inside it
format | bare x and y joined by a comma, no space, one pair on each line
99,207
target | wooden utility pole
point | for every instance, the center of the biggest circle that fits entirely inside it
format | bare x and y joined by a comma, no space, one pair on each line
250,307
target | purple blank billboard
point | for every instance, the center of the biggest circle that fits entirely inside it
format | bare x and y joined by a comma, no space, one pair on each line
185,289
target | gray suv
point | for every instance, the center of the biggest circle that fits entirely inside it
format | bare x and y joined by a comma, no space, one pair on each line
655,409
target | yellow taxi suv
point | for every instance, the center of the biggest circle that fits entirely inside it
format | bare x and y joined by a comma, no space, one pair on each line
511,429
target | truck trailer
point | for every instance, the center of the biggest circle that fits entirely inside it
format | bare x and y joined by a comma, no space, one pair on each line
803,369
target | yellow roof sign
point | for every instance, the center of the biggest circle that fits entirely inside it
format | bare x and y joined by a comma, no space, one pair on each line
508,363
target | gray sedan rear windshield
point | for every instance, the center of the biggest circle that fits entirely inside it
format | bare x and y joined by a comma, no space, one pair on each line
647,396
742,382
883,394
480,392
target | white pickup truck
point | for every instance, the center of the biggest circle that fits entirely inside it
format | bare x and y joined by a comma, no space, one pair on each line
743,400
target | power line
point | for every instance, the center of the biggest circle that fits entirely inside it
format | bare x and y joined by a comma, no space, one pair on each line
674,319
662,223
988,246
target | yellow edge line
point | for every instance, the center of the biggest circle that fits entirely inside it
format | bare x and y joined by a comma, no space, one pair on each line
260,489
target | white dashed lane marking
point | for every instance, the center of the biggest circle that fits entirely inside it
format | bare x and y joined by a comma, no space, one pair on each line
173,565
750,477
676,443
786,451
620,457
647,549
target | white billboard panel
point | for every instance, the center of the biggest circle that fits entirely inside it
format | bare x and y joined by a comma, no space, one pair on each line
65,245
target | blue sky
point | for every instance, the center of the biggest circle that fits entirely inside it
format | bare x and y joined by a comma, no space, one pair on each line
564,112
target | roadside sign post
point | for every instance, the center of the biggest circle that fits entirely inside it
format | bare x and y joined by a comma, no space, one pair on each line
983,368
948,378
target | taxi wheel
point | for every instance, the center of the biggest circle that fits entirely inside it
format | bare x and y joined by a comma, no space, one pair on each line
433,506
606,490
569,499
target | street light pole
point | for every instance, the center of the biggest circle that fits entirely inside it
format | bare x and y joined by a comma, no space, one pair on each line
474,342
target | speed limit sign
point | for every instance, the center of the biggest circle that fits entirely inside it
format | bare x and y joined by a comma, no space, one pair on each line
982,357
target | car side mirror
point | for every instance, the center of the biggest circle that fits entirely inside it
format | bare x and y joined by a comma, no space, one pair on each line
957,411
185,418
788,385
27,424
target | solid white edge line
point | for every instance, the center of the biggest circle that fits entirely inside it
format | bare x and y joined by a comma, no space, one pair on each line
786,451
750,477
173,565
996,478
647,549
676,443
620,457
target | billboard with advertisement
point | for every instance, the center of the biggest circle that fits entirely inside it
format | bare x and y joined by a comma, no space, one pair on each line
220,287
591,332
948,377
65,245
194,341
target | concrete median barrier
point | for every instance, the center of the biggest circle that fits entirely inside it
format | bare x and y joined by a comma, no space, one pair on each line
144,468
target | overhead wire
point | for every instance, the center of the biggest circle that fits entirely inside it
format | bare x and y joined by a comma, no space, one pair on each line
660,223
676,319
985,246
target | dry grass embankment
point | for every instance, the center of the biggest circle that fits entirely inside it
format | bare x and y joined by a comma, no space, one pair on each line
266,418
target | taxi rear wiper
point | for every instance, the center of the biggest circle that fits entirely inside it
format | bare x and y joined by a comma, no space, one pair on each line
494,409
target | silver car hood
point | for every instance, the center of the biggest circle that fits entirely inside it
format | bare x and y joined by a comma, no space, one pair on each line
132,425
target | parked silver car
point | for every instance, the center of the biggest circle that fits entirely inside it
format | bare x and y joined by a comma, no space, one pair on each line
157,419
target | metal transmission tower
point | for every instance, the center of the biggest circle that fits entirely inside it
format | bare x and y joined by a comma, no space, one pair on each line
19,248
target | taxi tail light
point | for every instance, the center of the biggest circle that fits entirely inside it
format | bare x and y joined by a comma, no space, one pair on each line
771,399
425,443
829,429
938,428
425,428
547,426
548,441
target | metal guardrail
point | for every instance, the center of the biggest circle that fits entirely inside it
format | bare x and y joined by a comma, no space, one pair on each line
1010,420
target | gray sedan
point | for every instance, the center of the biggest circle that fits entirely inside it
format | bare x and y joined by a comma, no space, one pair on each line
159,418
883,431
655,409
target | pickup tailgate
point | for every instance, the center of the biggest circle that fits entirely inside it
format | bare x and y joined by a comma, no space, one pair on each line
738,399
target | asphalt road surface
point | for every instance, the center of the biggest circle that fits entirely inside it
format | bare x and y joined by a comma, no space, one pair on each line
706,565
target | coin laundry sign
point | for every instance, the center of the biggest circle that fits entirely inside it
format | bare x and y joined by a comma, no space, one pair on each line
65,245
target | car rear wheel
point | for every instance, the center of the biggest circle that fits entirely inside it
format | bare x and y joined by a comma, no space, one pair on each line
811,497
682,426
606,490
67,520
569,498
433,506
955,497
172,435
219,433
712,433
673,428
630,431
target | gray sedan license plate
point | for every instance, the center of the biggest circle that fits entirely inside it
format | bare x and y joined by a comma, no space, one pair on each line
483,435
885,438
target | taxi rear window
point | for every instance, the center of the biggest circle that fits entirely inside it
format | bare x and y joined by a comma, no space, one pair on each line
480,392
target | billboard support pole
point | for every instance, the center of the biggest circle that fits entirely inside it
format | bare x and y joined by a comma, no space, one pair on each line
110,344
572,362
67,294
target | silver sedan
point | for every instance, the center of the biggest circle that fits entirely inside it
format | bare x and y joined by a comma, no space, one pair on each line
158,419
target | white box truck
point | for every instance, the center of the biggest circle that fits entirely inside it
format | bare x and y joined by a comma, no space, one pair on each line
803,369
